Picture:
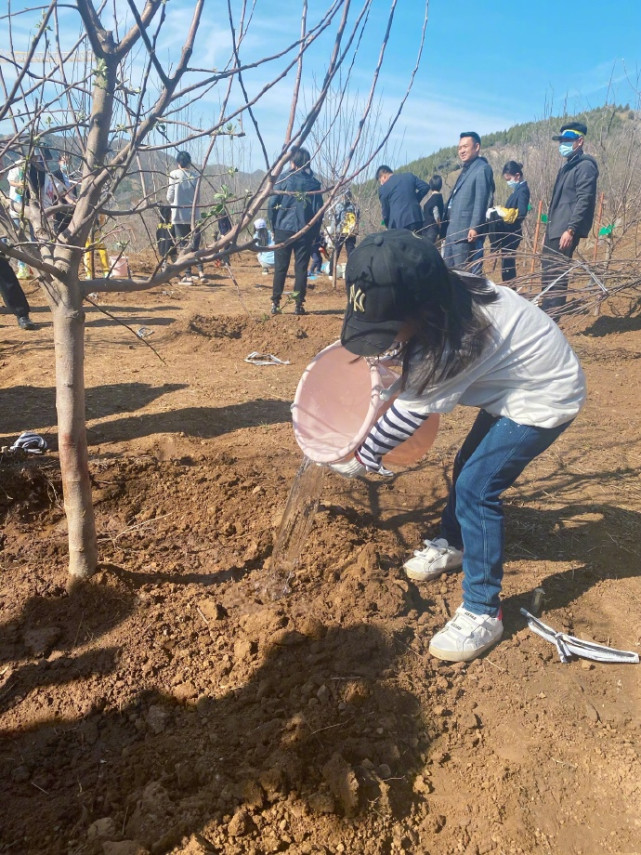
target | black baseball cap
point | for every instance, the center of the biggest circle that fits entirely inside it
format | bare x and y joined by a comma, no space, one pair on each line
571,132
389,275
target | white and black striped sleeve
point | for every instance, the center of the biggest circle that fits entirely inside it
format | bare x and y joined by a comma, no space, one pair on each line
393,428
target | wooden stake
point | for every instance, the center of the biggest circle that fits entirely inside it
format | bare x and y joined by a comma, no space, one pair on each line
598,226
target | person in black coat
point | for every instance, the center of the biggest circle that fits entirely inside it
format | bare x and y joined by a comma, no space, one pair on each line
296,201
400,195
512,216
433,210
570,214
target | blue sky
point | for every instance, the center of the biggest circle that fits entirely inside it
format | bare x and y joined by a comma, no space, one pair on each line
485,66
488,66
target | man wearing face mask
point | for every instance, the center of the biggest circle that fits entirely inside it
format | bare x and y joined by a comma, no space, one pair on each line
570,214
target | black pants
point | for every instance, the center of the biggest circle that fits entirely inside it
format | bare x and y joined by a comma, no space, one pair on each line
11,290
166,242
302,249
554,263
182,232
509,245
347,241
431,232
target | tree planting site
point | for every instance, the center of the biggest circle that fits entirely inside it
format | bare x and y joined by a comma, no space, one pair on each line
168,704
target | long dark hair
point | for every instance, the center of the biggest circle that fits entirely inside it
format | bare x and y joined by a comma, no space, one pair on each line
449,332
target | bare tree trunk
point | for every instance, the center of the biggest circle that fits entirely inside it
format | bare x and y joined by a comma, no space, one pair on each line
69,329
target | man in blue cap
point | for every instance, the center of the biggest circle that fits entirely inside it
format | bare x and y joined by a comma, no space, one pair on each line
570,213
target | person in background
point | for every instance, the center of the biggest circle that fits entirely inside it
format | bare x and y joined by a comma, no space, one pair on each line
510,229
467,207
95,245
224,224
570,214
14,297
263,237
66,192
461,340
165,238
181,195
400,195
17,189
296,201
196,241
344,218
433,209
316,257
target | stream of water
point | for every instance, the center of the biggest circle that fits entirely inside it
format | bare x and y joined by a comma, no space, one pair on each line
295,526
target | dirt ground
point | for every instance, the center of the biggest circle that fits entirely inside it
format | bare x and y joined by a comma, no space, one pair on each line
170,706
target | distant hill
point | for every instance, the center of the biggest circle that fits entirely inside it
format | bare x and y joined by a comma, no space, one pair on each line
600,121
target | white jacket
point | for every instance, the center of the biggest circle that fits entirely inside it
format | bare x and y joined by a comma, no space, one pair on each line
180,194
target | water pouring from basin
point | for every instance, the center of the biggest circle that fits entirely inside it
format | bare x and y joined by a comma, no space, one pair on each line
338,400
301,507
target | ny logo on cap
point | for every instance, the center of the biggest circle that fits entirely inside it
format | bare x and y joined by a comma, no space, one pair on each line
357,298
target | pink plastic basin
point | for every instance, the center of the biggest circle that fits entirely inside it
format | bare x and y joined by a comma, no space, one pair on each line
337,402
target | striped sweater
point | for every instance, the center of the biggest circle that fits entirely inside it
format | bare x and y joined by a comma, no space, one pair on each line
393,428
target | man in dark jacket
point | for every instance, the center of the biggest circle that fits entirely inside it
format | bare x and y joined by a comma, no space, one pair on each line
400,194
296,200
570,214
466,209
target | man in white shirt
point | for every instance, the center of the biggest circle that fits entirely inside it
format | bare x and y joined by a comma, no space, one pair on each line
181,192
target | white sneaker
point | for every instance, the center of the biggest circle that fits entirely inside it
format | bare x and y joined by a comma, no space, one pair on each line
466,636
186,280
437,557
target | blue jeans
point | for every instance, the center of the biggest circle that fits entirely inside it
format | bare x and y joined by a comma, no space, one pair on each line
492,457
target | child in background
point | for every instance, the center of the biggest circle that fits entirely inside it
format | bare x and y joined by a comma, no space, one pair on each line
95,244
263,237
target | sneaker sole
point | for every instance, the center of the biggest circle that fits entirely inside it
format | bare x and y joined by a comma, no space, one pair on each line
462,655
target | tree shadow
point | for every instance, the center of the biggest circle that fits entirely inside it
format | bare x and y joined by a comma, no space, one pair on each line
319,726
141,317
50,628
201,422
26,406
206,580
606,325
601,538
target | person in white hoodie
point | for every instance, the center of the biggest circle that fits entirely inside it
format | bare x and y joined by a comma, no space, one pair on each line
181,195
